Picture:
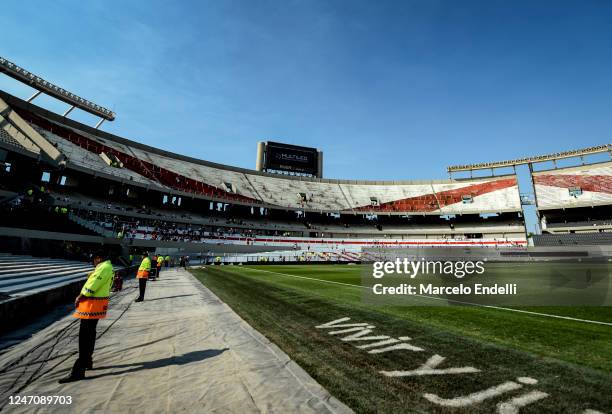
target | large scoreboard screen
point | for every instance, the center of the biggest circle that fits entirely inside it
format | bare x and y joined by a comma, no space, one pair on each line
285,157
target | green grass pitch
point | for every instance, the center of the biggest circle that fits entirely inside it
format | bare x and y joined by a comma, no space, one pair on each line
570,359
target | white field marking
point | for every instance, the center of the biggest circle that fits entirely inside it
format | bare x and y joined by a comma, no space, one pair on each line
367,327
362,336
430,368
547,315
527,380
474,398
512,406
337,324
590,411
379,343
397,347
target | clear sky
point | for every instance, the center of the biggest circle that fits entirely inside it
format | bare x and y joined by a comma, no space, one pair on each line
388,90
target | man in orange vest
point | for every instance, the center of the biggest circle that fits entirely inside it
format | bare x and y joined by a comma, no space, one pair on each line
91,306
143,275
160,262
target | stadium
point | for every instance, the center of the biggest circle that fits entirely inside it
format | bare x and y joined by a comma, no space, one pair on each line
278,254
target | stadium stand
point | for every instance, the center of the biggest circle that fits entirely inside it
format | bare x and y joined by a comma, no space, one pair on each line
127,222
575,205
573,239
165,171
92,161
96,195
35,210
589,223
584,186
25,275
31,285
9,136
7,139
115,188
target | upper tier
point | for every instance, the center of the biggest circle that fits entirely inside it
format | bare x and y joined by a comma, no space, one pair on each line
583,186
153,168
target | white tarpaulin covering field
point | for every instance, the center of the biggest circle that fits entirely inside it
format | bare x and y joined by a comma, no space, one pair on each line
182,350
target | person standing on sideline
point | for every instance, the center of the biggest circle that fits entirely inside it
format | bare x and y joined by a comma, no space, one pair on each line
160,262
167,261
91,306
143,275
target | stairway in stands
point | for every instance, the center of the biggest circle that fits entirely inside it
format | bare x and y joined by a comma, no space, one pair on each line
25,275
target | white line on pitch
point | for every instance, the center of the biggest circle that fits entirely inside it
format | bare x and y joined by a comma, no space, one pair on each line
547,315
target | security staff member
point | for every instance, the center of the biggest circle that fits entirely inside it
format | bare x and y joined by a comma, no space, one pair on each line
91,306
143,275
160,262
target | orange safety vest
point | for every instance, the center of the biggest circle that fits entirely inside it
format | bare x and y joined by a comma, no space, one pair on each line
95,293
144,269
92,308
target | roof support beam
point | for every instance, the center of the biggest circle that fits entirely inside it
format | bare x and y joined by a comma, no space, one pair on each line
31,98
16,72
69,110
41,142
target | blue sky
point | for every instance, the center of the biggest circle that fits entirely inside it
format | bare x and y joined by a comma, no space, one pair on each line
388,90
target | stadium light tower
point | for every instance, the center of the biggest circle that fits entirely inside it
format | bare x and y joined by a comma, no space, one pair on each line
42,86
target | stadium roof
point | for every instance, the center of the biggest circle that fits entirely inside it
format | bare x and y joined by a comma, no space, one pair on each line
530,160
36,82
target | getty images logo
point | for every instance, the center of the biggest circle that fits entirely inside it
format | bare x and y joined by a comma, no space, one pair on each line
412,268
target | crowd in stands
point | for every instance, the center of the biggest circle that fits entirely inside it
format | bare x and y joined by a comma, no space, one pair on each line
34,208
163,230
120,219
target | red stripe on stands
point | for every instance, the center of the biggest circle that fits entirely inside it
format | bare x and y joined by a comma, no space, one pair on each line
173,180
435,201
146,169
594,183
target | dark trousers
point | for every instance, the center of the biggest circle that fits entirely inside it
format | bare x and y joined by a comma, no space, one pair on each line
142,286
87,343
